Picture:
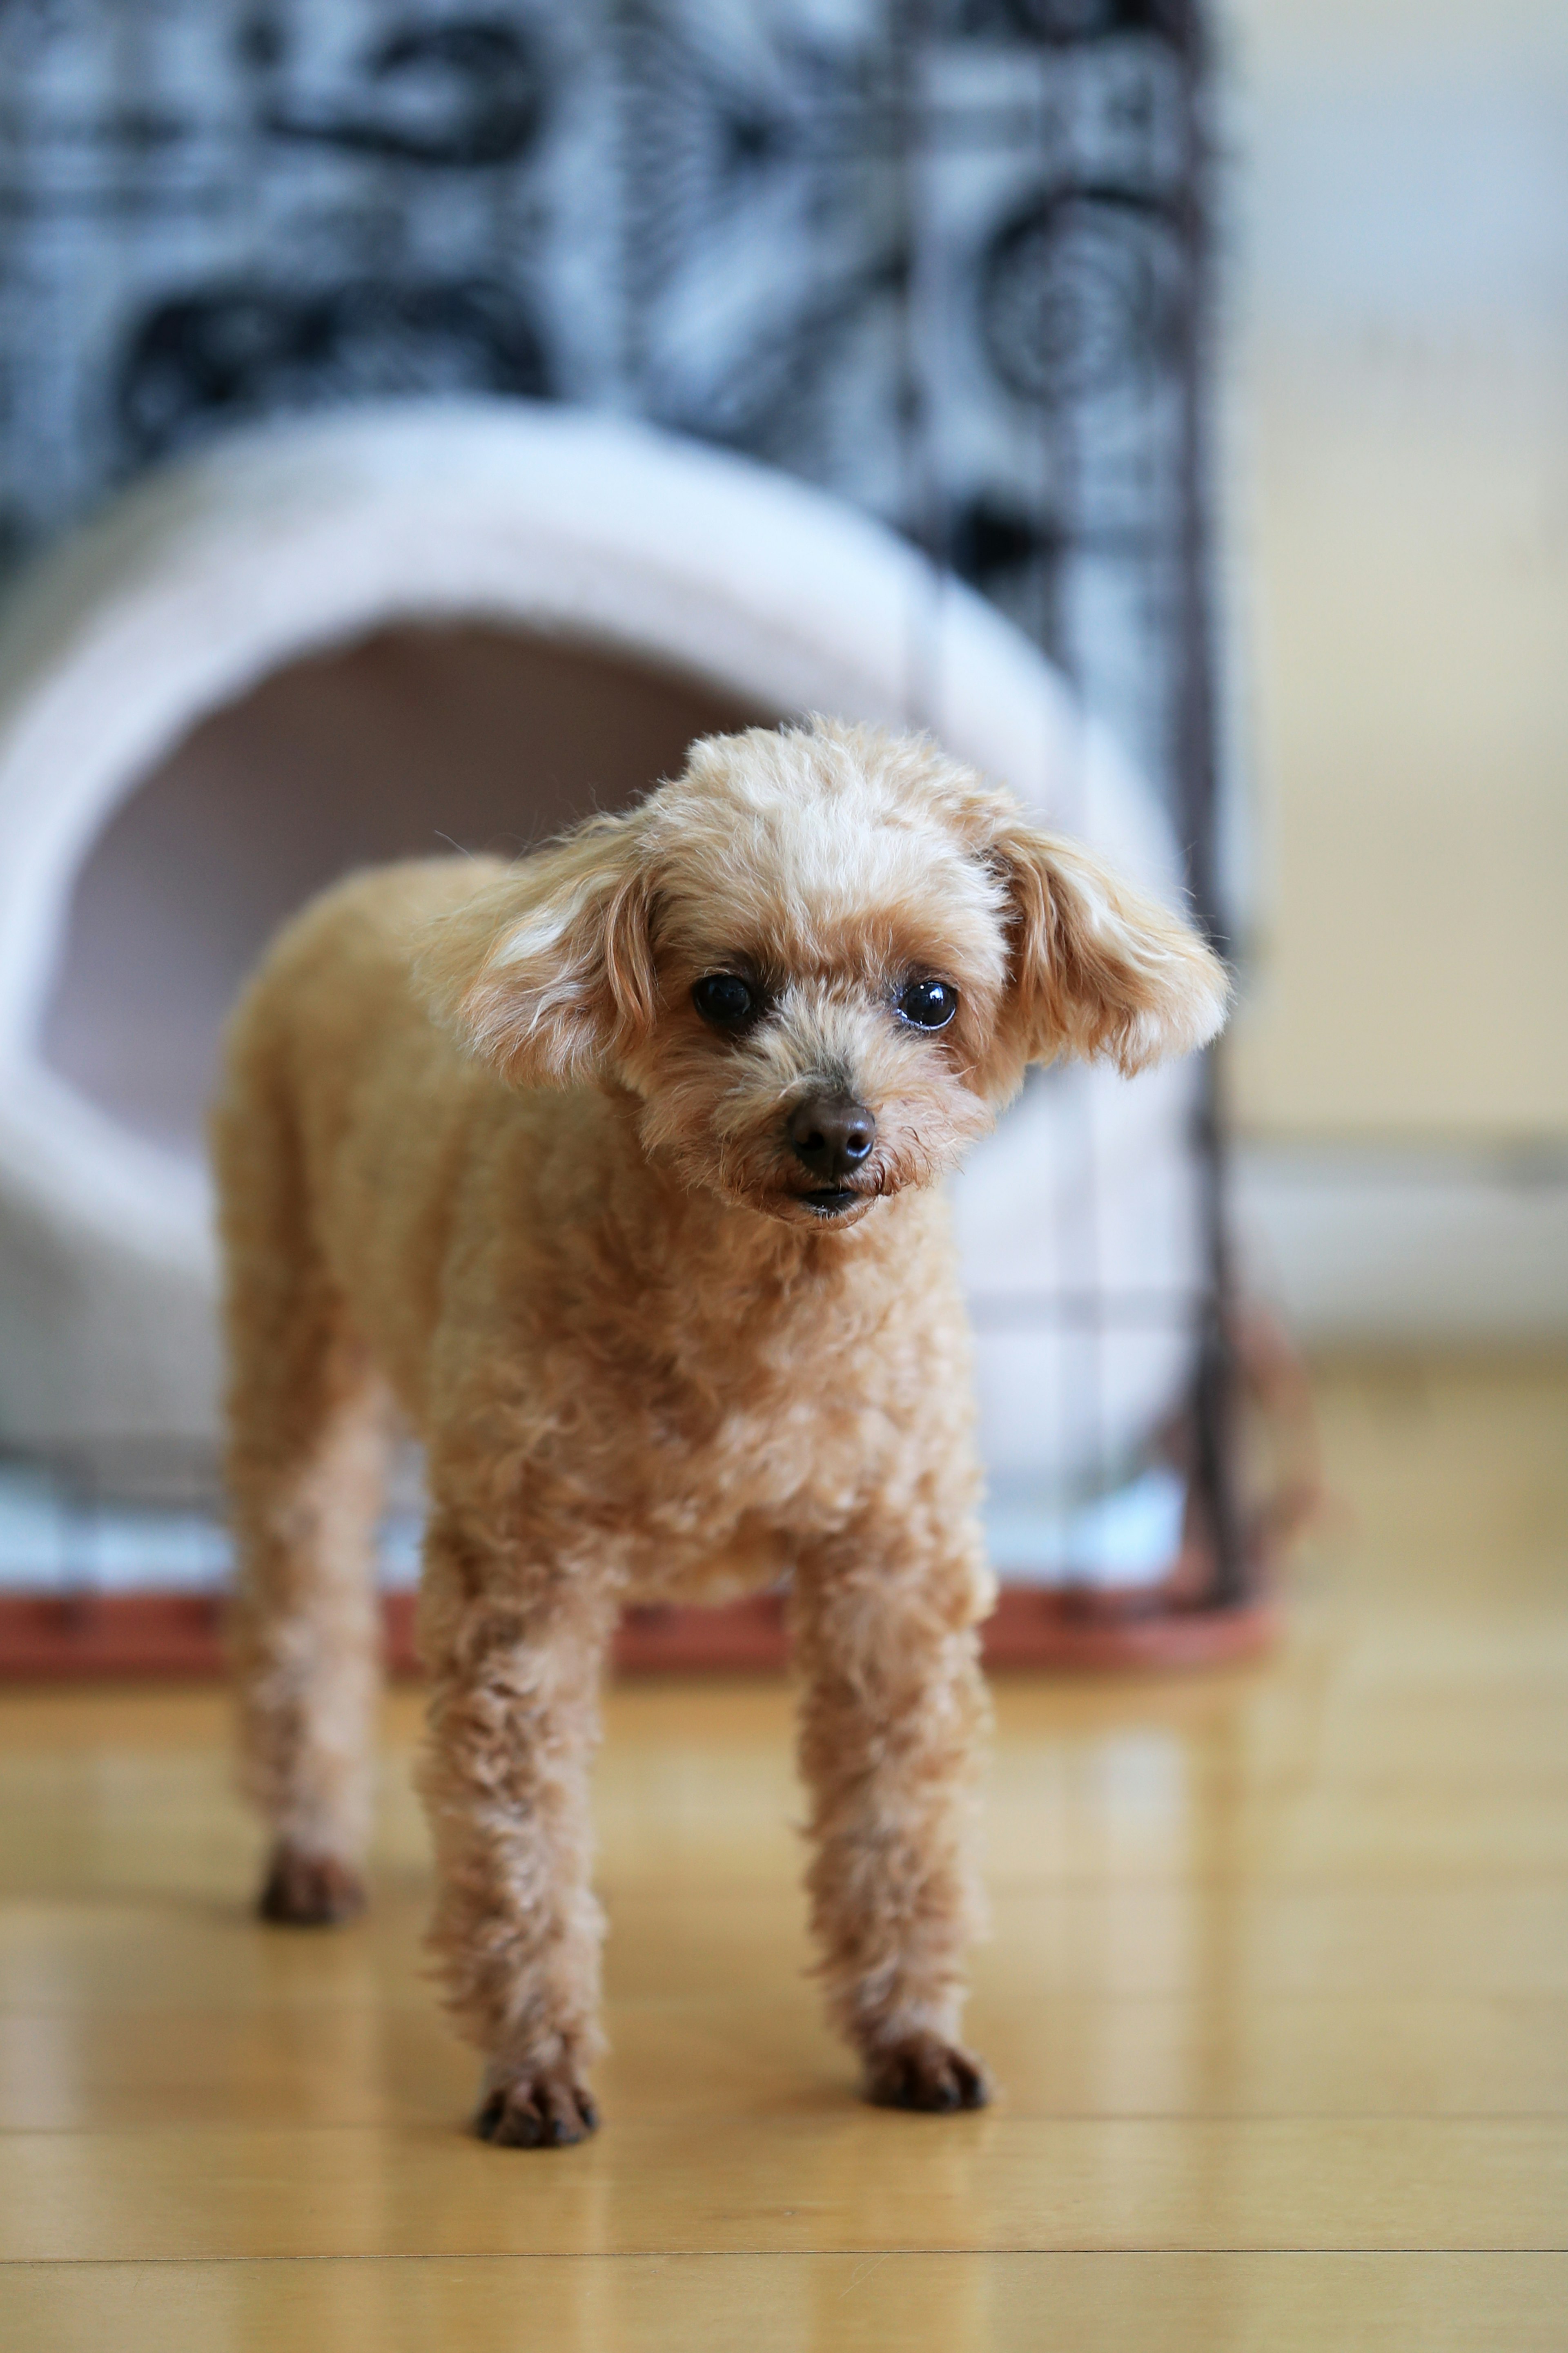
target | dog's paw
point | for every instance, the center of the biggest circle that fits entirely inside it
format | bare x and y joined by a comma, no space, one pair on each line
310,1891
545,2107
923,2072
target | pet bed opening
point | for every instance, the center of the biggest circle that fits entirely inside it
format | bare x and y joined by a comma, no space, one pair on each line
406,743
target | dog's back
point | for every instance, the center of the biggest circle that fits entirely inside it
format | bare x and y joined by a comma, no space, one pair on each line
343,1105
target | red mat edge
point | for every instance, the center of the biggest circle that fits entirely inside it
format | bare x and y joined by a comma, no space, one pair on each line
105,1637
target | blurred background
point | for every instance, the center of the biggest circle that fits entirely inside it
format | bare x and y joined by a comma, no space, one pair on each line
1399,511
1214,366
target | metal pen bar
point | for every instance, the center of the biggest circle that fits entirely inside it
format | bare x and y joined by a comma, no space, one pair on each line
1130,1310
1197,785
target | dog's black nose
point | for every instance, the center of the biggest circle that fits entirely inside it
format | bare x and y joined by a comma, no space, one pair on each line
831,1134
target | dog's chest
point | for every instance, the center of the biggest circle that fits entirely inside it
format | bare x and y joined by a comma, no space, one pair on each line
759,1428
719,1444
723,1501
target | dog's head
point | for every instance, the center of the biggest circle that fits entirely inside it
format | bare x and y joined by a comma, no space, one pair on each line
821,961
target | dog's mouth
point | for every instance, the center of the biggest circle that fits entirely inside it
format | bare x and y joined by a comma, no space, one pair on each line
826,1205
831,1201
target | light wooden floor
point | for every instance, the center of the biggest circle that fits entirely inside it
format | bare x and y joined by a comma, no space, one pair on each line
1277,1990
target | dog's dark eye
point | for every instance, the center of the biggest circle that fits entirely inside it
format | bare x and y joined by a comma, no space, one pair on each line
726,1001
929,1004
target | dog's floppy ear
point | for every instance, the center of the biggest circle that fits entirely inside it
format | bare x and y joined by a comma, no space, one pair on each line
549,972
1096,968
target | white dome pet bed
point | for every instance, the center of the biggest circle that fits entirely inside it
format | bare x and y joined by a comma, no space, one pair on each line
334,641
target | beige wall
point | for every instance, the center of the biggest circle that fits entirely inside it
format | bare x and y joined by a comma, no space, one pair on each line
1401,508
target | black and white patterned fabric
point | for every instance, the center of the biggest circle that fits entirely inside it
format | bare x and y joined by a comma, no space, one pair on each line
937,256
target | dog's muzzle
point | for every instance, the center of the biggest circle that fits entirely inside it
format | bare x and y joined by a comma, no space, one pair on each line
831,1136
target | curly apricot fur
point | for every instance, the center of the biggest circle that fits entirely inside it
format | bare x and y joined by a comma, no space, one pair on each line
477,1151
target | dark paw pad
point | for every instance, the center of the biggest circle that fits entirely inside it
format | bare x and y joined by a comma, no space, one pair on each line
310,1891
543,2110
925,2072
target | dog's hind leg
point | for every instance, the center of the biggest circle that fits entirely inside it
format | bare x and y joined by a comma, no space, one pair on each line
307,1436
513,1640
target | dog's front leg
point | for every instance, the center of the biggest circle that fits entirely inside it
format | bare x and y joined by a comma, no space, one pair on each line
514,1654
892,1718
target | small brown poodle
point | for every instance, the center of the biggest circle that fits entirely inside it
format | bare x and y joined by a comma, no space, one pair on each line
618,1168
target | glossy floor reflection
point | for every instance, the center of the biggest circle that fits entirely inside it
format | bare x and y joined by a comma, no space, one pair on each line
1276,1991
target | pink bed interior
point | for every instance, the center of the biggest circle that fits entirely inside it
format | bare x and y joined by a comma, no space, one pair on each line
405,744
